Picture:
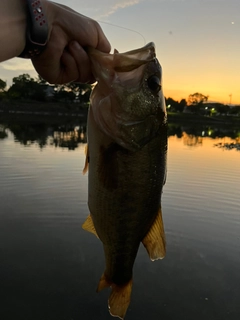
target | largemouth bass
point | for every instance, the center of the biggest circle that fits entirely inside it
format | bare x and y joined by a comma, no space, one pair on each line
126,160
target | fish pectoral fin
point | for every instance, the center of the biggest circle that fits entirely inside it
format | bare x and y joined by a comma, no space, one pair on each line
120,296
85,169
89,226
154,241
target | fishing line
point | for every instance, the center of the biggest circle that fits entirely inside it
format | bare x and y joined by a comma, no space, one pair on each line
128,29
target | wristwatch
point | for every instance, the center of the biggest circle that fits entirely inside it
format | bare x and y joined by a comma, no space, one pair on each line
36,31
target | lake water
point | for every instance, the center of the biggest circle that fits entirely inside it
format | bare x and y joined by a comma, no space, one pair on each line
50,267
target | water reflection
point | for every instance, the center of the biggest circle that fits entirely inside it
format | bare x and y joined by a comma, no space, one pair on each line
191,140
194,136
63,136
228,146
68,137
49,266
71,135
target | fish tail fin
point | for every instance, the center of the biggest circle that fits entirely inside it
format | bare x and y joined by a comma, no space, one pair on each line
119,299
154,241
120,296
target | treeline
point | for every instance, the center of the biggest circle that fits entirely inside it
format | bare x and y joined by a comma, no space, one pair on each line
197,103
25,88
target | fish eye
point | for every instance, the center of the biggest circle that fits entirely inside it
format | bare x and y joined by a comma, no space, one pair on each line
154,84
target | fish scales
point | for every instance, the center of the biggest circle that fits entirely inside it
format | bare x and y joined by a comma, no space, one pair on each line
127,149
123,215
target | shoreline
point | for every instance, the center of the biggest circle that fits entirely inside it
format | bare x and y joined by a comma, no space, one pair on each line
46,112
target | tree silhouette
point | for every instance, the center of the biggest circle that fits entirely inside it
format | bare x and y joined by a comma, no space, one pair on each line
197,99
3,85
175,105
78,92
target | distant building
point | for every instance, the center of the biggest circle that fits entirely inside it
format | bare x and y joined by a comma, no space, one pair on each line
49,91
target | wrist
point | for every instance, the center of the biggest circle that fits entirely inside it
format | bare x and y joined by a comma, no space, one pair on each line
12,28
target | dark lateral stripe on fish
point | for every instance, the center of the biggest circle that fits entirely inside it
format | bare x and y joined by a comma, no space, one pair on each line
108,164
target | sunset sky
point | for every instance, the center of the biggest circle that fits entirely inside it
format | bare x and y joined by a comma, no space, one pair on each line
197,42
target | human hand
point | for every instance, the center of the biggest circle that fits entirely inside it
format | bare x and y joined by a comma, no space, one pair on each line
64,59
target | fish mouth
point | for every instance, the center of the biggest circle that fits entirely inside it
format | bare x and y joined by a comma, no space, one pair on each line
120,62
146,53
133,59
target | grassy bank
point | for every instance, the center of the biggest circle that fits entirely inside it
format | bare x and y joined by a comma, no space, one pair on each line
196,119
62,112
42,112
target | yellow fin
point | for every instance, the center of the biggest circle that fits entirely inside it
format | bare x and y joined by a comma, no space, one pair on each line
103,283
119,299
89,226
85,169
154,241
120,296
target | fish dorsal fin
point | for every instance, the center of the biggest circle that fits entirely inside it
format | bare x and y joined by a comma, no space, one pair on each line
154,241
89,226
120,296
85,169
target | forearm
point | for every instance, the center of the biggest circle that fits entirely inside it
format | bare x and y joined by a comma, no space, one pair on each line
12,28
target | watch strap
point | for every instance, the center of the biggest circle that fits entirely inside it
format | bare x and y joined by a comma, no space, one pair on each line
37,29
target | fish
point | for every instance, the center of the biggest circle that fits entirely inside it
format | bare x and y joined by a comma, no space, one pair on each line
126,163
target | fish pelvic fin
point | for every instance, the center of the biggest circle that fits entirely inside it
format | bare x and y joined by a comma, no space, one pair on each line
154,241
89,226
85,169
120,296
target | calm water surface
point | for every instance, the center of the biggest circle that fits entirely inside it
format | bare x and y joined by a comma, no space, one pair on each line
50,267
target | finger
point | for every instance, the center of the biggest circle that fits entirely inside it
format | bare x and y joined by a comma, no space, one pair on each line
55,64
93,36
84,30
103,44
69,68
83,63
56,69
93,27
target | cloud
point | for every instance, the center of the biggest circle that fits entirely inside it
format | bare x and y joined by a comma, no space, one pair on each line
121,5
118,6
15,67
17,64
103,9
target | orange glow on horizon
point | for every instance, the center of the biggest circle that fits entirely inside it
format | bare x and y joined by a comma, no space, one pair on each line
213,96
216,91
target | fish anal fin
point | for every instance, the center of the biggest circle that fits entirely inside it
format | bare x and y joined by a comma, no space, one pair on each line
89,226
120,296
103,283
154,241
85,169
